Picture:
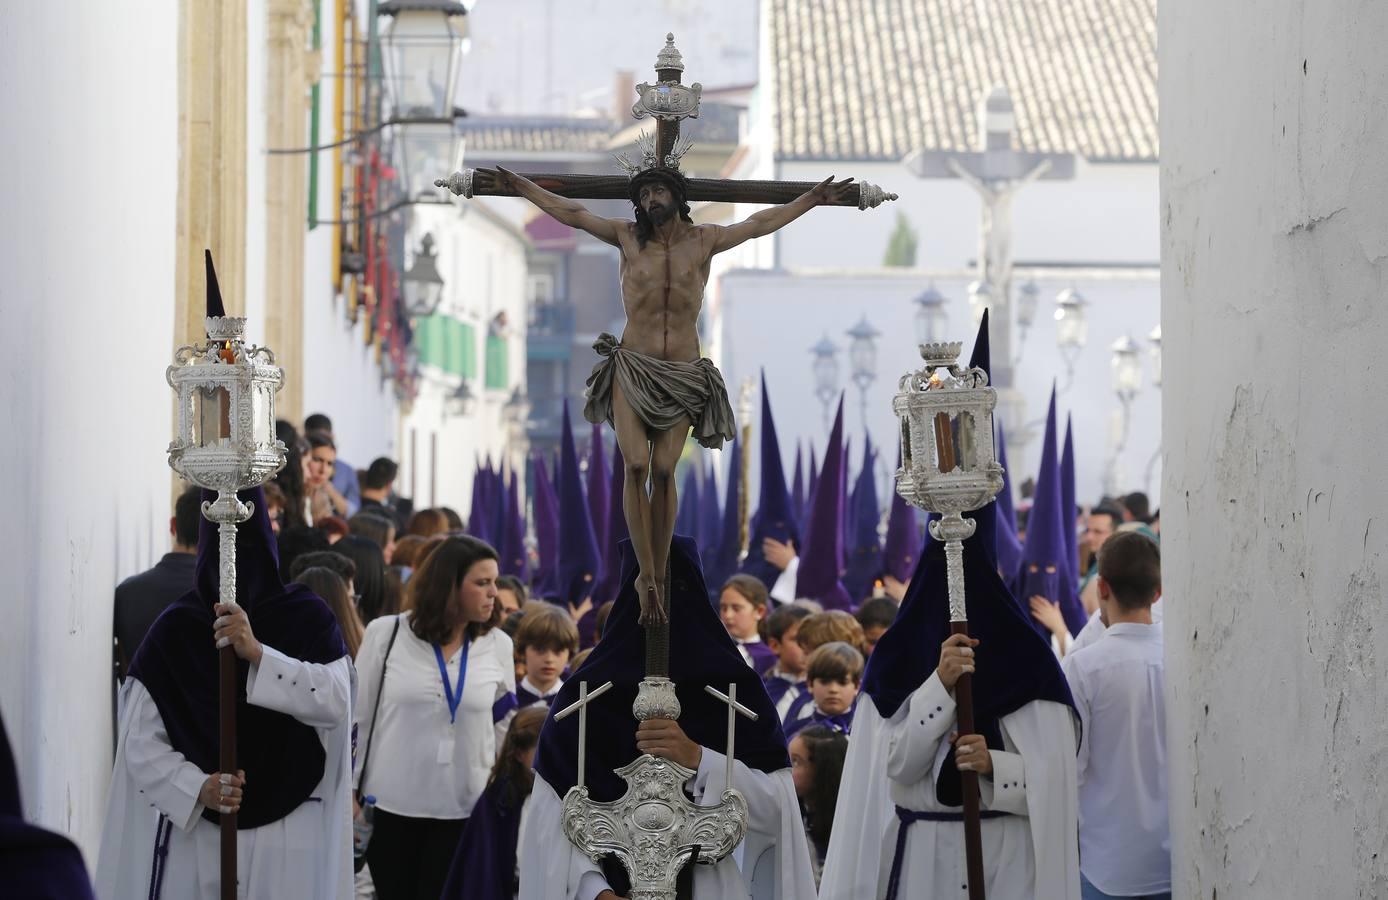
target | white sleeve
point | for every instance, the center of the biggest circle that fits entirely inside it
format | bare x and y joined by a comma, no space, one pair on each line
315,694
915,742
554,869
783,591
1074,674
162,775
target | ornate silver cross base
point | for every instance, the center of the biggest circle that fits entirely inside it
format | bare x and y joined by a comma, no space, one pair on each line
654,829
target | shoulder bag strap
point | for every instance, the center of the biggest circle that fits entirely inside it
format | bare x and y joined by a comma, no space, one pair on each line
376,709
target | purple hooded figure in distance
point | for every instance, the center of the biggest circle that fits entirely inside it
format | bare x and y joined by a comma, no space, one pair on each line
1067,502
775,517
1044,571
865,545
580,567
599,489
822,558
1009,545
902,549
546,511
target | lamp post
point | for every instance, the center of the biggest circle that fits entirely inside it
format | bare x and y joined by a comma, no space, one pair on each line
980,299
1126,365
1028,297
1071,330
948,466
423,285
930,316
226,442
461,401
862,352
825,367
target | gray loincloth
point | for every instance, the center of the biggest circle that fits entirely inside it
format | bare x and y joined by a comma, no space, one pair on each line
661,392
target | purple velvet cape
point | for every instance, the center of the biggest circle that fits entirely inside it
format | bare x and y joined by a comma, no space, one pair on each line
703,654
178,664
484,865
35,864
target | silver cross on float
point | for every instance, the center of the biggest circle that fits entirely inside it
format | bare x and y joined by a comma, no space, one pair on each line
654,829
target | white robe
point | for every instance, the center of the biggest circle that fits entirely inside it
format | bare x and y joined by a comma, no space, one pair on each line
1030,855
772,863
307,855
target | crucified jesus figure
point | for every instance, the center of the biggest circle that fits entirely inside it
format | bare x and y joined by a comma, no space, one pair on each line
652,385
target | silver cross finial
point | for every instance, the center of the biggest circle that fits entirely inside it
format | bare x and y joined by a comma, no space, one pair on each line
734,710
581,704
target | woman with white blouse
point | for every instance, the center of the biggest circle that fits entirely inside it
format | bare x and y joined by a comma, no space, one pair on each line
432,736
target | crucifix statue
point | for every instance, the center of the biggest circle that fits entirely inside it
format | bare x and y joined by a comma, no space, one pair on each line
651,383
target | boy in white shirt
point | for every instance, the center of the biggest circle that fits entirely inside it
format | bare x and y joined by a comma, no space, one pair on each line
1117,683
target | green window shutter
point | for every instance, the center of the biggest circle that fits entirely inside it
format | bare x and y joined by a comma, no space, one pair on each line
497,368
431,340
468,337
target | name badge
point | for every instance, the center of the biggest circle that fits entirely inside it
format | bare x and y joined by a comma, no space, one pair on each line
445,757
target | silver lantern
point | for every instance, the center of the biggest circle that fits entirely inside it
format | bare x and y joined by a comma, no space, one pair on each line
226,426
948,462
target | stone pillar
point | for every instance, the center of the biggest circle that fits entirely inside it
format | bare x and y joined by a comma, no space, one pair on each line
1274,116
290,68
212,158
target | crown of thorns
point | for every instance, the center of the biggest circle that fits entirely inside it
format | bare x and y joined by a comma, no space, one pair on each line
649,156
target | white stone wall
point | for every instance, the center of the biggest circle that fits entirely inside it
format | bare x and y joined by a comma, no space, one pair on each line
1275,215
87,248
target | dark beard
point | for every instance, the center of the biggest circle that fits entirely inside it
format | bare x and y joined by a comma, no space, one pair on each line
660,214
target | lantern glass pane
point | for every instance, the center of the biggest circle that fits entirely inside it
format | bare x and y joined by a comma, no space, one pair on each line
426,153
826,372
906,455
262,414
864,357
422,56
211,417
964,436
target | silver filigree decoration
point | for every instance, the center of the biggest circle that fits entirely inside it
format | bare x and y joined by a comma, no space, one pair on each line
654,829
647,155
655,699
460,183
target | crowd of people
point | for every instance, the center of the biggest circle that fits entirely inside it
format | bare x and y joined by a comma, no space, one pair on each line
427,717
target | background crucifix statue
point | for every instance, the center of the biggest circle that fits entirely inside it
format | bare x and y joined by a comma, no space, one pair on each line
651,383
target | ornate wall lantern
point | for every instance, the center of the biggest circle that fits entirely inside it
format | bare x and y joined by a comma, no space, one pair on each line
422,46
423,285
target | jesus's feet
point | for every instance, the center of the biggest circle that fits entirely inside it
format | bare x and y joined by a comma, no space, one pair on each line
648,593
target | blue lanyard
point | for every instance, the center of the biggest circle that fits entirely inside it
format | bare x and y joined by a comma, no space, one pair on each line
453,699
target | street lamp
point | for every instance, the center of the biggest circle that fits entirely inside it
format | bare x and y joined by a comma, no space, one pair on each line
1126,365
930,316
423,285
825,367
862,353
422,46
980,298
424,147
1028,297
1071,329
462,400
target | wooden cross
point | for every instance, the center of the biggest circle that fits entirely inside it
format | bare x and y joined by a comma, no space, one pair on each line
668,101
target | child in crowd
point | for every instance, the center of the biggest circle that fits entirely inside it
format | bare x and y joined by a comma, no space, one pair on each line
510,594
834,625
876,616
816,767
742,607
786,680
1117,683
485,865
546,639
834,672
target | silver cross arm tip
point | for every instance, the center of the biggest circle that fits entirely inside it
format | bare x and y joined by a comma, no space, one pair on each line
459,183
749,713
870,196
582,702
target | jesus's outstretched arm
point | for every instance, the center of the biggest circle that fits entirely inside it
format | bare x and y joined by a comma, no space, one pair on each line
768,220
570,212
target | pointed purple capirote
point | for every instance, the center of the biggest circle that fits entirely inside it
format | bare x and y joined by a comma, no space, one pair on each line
721,559
775,517
579,563
1067,502
616,528
546,511
496,505
1044,571
1009,545
811,485
848,498
797,487
687,514
599,490
214,290
822,557
710,516
514,559
477,513
903,545
865,545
